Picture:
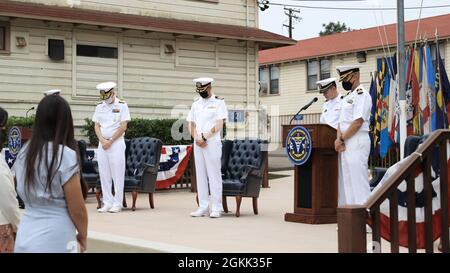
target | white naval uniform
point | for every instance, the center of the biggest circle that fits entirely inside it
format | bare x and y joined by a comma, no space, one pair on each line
331,110
204,113
111,162
353,168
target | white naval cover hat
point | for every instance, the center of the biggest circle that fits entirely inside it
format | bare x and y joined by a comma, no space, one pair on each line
106,86
345,70
323,85
52,92
202,83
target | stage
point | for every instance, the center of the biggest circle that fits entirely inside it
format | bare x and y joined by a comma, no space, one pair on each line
169,228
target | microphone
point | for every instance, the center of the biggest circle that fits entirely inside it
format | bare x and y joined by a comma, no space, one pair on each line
304,108
309,104
26,114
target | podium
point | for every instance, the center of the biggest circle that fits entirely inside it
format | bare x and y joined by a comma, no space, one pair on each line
26,133
316,181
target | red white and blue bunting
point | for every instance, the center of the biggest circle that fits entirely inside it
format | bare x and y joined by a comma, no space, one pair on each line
420,209
172,165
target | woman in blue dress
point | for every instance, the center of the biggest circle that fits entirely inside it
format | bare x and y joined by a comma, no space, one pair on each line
48,180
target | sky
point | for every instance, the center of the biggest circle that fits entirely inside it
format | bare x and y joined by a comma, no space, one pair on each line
311,21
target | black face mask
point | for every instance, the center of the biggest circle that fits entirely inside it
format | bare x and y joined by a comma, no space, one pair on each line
203,94
347,85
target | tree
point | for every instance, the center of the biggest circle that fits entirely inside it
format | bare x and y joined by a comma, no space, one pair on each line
333,27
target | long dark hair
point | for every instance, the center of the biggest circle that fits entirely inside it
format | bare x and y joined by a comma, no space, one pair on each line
3,121
53,123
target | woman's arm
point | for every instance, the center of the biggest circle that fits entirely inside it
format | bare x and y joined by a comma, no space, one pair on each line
77,208
9,205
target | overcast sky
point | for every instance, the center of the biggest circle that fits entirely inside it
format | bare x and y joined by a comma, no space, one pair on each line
311,21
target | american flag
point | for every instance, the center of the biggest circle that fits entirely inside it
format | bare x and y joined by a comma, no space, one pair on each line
9,158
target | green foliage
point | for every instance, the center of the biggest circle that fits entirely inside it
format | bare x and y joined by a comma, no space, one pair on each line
157,128
333,27
160,128
88,130
17,121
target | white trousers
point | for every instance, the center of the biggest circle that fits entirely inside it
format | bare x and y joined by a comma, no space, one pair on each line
111,166
354,186
208,171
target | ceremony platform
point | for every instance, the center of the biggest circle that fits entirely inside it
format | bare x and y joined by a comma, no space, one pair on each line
169,228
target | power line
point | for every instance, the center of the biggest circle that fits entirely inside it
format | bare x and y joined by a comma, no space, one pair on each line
267,3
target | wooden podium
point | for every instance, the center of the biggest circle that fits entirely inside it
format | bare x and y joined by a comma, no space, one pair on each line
316,181
26,134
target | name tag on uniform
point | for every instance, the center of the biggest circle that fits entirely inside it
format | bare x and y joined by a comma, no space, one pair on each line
116,110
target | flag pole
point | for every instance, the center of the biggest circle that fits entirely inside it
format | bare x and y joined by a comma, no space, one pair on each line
401,72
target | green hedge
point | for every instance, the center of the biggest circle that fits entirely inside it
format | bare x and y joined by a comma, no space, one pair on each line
138,127
18,121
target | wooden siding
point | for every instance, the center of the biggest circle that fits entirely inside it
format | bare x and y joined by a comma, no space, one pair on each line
150,82
233,12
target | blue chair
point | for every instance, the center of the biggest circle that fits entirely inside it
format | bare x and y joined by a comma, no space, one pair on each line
244,172
142,165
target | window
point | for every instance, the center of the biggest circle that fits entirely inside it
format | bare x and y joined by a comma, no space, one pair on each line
263,80
316,71
274,75
325,69
97,51
268,79
4,36
312,75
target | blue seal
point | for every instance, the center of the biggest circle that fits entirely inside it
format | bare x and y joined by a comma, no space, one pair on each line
14,141
298,145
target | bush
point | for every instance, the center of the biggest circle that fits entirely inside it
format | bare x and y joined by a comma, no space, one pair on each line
88,131
139,127
17,121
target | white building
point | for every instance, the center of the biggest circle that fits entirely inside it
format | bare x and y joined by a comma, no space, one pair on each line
152,49
288,75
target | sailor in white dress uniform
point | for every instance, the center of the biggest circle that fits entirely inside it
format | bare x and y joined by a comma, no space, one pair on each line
206,119
331,109
111,117
353,141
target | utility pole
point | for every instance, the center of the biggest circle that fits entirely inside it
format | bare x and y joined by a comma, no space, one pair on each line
292,14
401,72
